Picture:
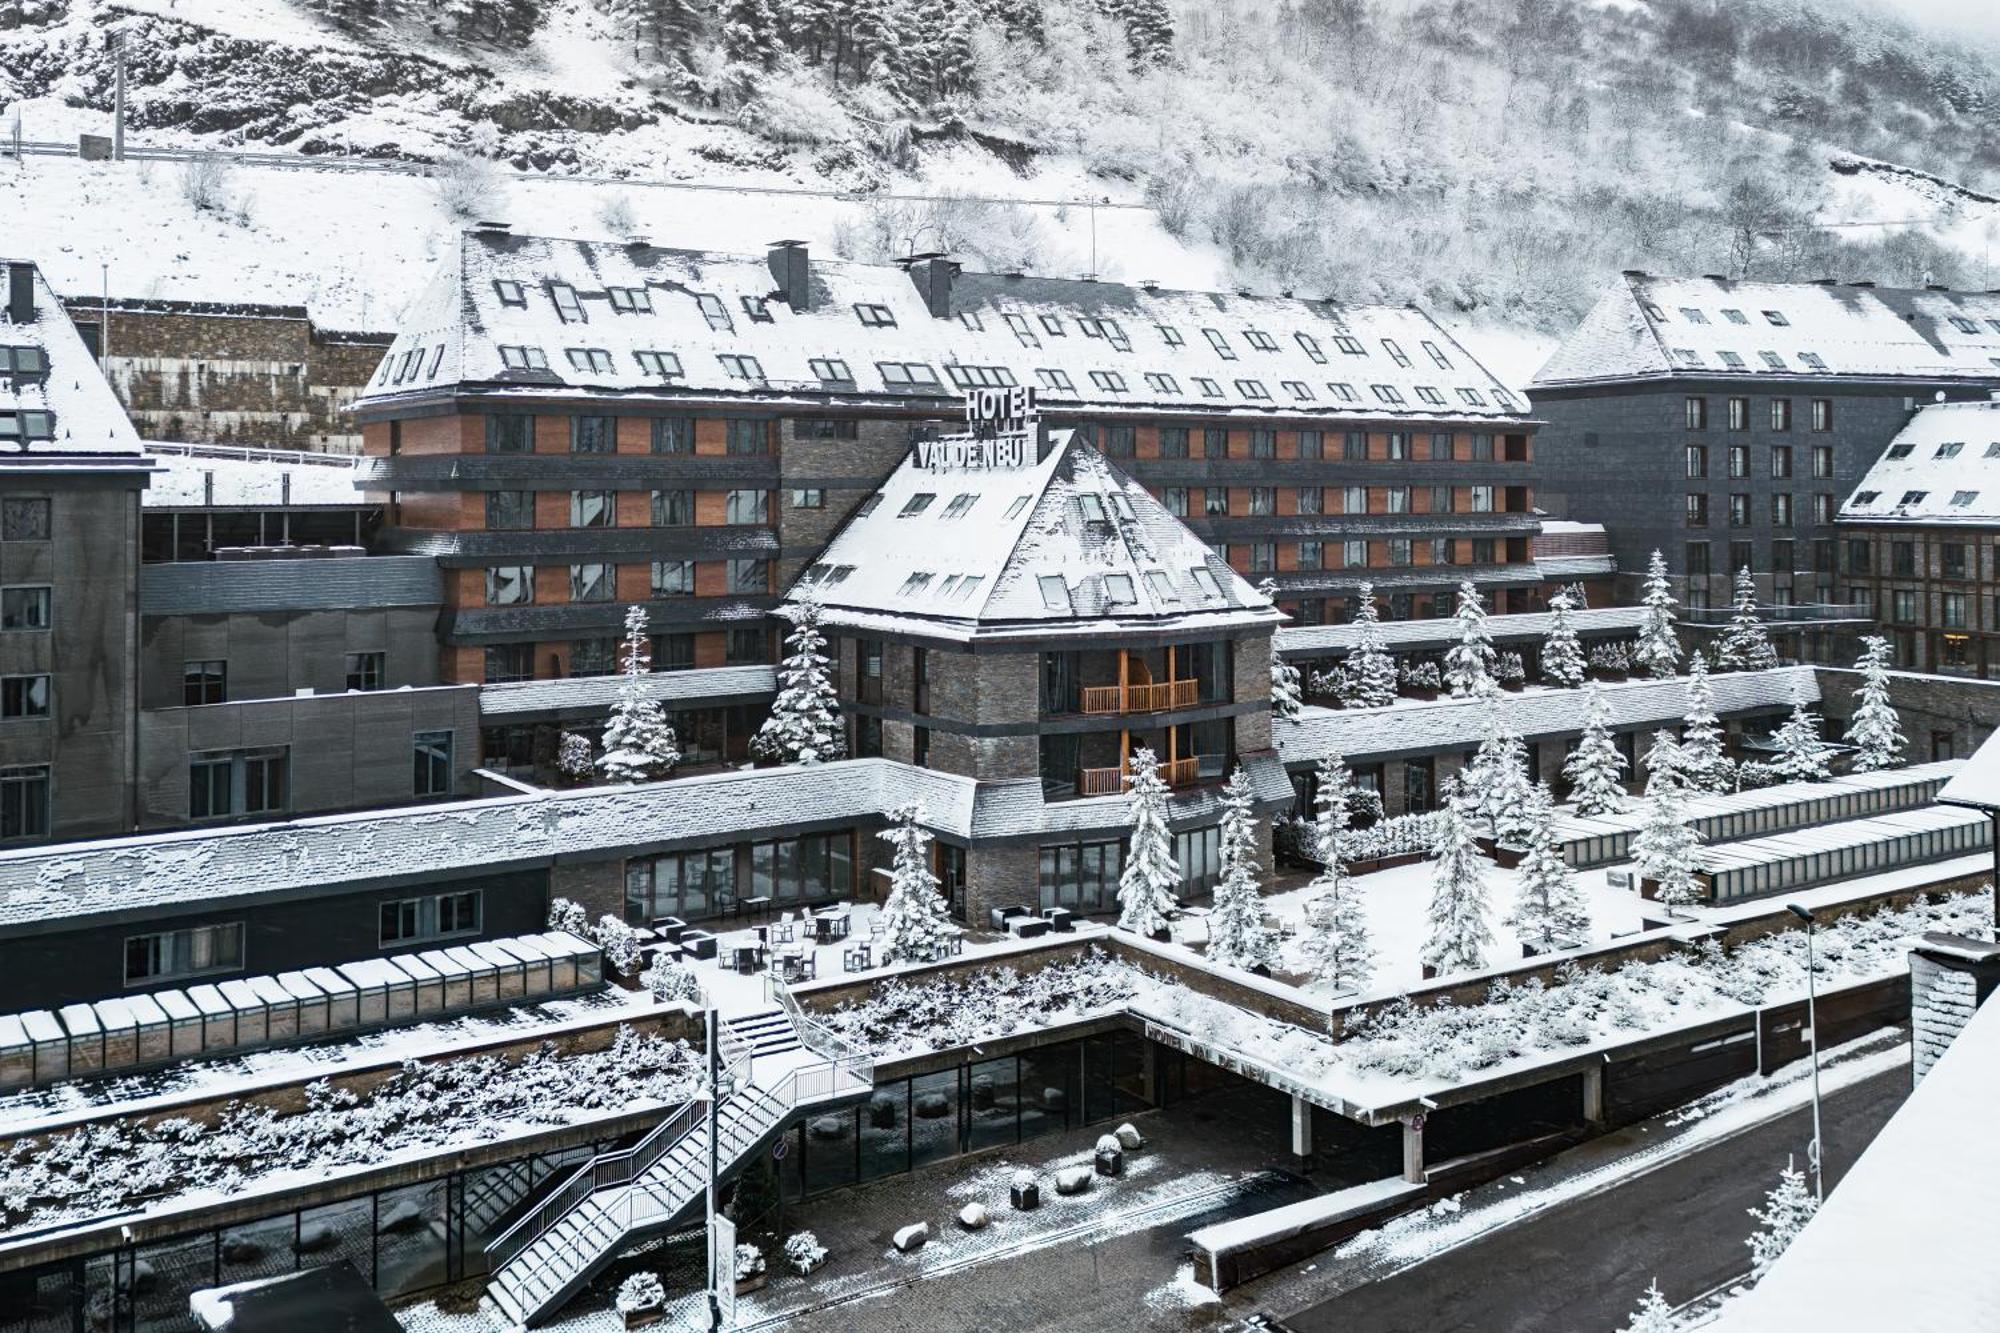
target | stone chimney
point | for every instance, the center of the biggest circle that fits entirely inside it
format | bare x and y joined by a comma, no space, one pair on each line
792,272
933,274
20,291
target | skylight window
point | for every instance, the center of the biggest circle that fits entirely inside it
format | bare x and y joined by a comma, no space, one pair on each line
1443,361
1472,397
1951,450
1693,316
1736,316
1020,503
1055,593
1206,582
568,308
1960,499
523,358
741,367
1350,345
907,376
1913,497
1812,360
971,320
960,505
1107,329
1343,391
1657,314
1387,393
839,573
1993,450
916,504
24,362
1731,359
981,377
1119,590
1867,497
1963,325
1109,380
510,292
945,588
630,300
874,316
1430,395
1687,356
1898,452
1092,507
1053,326
832,371
1022,330
591,359
1310,346
1260,340
1993,324
1123,507
1160,383
1777,318
1058,380
660,365
758,309
1171,335
36,425
1160,586
1774,361
869,506
1253,389
1220,344
966,588
1209,388
1298,389
914,584
1396,353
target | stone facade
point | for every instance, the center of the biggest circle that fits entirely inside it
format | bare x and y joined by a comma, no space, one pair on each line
233,374
274,654
1943,717
1949,979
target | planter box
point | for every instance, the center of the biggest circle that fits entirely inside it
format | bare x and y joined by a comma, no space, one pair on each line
746,1285
1610,674
1111,1163
645,1318
1425,695
1514,686
1026,1198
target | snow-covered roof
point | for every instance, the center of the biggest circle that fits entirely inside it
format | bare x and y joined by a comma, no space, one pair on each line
1459,724
216,587
1065,542
1781,796
1978,783
55,407
868,334
197,479
1906,1242
1646,327
1442,631
594,694
1943,467
51,887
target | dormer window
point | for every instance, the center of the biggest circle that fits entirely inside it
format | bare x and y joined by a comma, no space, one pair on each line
1058,380
1430,395
1350,345
510,292
1253,390
1443,362
630,300
971,320
1209,388
1160,383
1343,391
1171,335
568,307
593,360
1472,398
1396,353
1053,326
908,376
874,316
1022,330
1388,394
716,313
1298,389
741,367
1108,380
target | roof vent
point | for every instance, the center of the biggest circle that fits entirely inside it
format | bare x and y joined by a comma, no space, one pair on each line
1715,277
1633,273
792,272
1243,291
1826,282
1936,287
21,292
1862,282
1285,292
1149,284
1013,273
492,227
933,275
636,241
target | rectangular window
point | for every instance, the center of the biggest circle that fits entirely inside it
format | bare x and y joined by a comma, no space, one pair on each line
1696,557
432,917
1903,559
1310,555
1742,554
1311,445
1263,501
1354,554
1214,501
673,509
673,578
1822,508
431,757
1739,511
1953,608
1822,414
1173,442
1214,442
808,497
1354,447
237,782
1482,447
592,509
1311,500
1696,410
365,670
746,506
24,608
1781,414
508,510
825,428
1175,498
1442,500
204,682
1903,605
1781,460
1822,461
1860,556
749,436
593,657
1400,551
673,435
509,662
24,802
1396,500
1354,499
739,367
1482,499
749,576
594,582
24,697
193,952
1951,560
1781,511
1739,414
1739,460
1120,441
749,643
24,519
592,435
510,433
1263,557
1697,461
1263,443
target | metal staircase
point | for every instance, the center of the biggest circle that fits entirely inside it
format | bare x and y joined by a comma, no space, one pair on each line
777,1065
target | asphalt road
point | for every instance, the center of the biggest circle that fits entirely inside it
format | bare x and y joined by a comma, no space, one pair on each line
1581,1266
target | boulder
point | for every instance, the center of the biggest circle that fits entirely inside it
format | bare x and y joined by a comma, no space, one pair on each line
1073,1179
974,1217
933,1106
1129,1138
913,1236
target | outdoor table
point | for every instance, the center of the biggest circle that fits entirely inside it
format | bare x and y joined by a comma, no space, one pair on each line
749,957
855,958
831,926
757,904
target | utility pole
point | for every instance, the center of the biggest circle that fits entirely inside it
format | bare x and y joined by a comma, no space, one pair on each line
118,98
104,320
714,1103
1814,1151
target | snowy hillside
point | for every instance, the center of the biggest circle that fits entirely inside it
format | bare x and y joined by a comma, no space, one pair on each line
1495,159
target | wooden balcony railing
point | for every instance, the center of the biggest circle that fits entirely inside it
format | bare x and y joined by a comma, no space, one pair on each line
1158,698
1111,781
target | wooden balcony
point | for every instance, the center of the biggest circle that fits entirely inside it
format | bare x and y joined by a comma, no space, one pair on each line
1106,699
1111,781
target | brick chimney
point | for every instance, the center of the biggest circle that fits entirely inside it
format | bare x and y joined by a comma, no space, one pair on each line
933,274
20,291
792,272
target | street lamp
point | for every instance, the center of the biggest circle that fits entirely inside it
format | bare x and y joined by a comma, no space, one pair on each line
1812,1023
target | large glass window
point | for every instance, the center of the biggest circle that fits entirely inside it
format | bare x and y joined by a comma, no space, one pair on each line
192,952
673,435
507,510
812,869
431,917
593,435
749,437
432,761
410,1231
509,433
1198,852
232,782
1082,877
746,506
687,884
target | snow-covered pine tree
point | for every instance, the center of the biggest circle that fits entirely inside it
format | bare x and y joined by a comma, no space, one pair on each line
668,27
1287,693
1787,1209
1875,732
1657,650
1149,29
1654,1315
1496,781
1663,850
1371,672
1335,935
1470,660
1236,933
639,743
1703,764
1147,885
1745,646
1595,769
1802,755
804,724
915,922
1549,912
751,34
1458,936
1562,654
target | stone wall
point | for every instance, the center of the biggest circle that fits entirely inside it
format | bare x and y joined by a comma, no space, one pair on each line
1950,978
1943,716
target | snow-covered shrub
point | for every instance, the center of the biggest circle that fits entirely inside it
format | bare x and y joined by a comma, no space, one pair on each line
1510,670
574,759
1610,657
749,1262
668,979
468,188
641,1292
1422,677
904,1017
804,1252
569,916
615,215
1401,836
205,183
796,109
620,944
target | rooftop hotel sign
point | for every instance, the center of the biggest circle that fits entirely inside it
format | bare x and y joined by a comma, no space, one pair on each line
1001,429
